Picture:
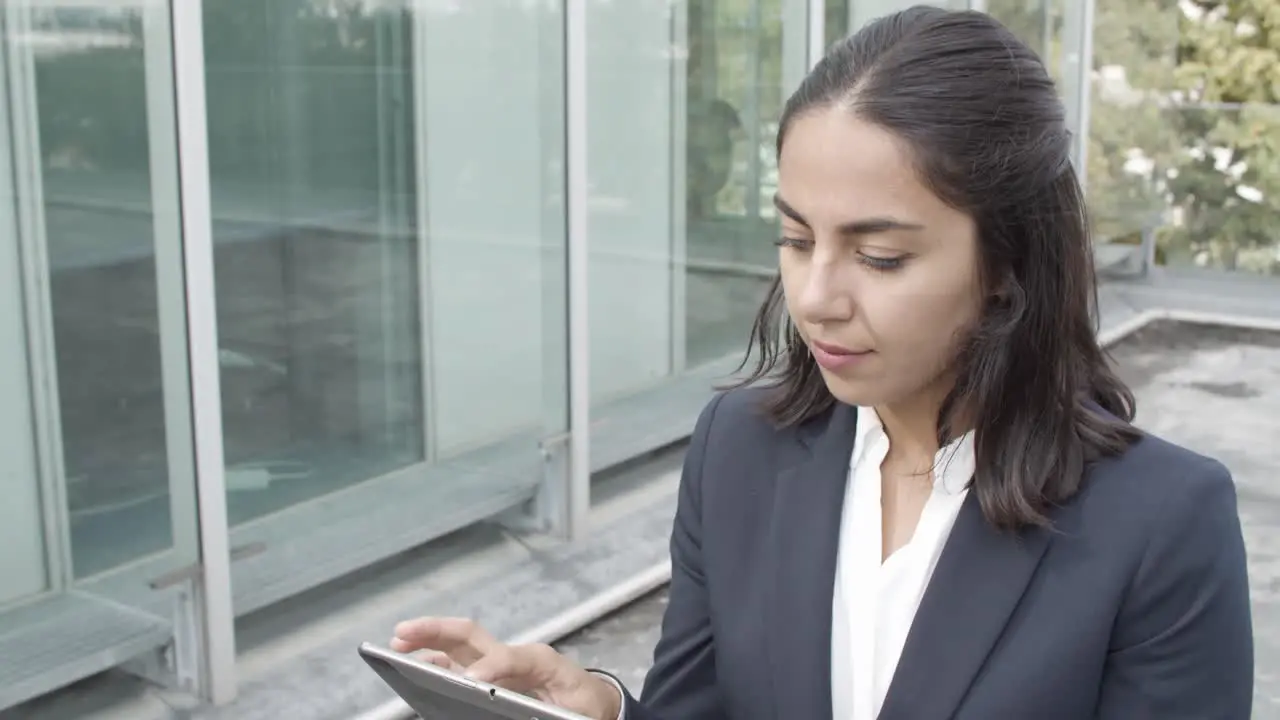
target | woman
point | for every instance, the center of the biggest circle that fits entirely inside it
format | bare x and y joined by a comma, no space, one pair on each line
928,501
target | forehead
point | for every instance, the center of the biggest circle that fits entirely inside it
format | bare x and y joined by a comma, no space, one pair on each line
837,167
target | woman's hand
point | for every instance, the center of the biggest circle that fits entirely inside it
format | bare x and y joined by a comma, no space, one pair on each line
461,645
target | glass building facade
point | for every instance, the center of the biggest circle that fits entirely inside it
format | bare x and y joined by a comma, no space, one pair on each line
289,287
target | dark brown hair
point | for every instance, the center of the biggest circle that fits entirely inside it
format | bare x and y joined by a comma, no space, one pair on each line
987,132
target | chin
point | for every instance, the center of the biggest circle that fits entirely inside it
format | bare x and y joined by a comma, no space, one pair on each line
864,393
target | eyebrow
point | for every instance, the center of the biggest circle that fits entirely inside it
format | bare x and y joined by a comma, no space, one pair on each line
865,226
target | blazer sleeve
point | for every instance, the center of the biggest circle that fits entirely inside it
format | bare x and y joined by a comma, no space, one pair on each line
1182,645
682,682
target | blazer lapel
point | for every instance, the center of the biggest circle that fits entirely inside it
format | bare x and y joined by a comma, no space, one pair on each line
977,584
804,535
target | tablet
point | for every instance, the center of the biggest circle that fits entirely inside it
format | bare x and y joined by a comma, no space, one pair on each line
438,694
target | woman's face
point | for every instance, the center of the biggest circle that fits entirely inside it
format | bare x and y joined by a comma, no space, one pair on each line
881,277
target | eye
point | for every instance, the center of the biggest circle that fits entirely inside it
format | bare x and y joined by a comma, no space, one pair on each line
881,264
793,242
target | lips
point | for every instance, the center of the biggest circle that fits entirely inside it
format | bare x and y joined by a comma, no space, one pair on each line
836,357
837,350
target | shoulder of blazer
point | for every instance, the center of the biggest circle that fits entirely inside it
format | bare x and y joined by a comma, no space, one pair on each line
1156,465
1146,490
738,416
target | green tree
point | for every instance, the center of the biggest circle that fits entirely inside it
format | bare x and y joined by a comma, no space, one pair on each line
1185,128
1132,146
1227,187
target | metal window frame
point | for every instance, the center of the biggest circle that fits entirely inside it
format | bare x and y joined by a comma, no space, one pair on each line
577,499
214,615
817,29
163,151
38,303
1083,87
19,363
679,55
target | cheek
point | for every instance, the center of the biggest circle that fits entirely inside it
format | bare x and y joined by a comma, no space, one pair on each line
919,323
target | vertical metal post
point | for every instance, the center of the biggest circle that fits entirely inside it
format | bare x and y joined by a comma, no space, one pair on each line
214,611
817,31
679,191
29,536
166,232
751,112
34,253
578,497
1077,61
1085,89
422,236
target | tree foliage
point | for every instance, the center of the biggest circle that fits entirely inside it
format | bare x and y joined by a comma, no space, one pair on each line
1228,185
1185,128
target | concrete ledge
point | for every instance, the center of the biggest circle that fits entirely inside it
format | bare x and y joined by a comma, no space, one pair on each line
298,659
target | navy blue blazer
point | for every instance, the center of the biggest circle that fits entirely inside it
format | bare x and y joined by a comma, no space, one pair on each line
1134,605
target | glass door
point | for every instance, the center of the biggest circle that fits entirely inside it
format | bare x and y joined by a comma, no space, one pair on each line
311,169
91,124
93,346
388,238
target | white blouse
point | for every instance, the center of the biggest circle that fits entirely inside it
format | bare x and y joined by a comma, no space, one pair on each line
874,602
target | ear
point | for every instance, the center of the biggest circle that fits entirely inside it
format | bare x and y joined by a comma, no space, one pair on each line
1006,288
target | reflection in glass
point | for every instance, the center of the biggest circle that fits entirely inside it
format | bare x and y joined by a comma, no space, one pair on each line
734,97
90,131
313,195
683,110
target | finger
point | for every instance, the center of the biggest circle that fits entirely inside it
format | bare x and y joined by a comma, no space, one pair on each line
439,659
522,668
460,638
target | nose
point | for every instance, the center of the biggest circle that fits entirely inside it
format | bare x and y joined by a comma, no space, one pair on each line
825,295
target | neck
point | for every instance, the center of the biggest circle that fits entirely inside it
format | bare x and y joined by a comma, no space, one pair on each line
912,428
912,424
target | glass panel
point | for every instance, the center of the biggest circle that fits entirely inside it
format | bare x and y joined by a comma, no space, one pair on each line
845,17
313,200
631,170
684,99
379,313
734,98
92,81
490,77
